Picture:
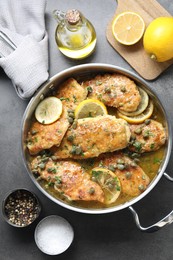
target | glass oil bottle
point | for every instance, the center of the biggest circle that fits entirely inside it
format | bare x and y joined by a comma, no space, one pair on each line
75,35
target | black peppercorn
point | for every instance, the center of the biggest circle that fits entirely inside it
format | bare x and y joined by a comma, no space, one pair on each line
21,208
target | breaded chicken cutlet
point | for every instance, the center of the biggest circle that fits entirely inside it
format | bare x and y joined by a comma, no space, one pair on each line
114,90
69,178
147,137
93,136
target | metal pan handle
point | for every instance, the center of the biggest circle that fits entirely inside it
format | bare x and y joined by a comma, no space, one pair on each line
155,227
163,222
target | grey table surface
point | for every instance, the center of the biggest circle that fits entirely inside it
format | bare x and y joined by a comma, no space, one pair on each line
111,236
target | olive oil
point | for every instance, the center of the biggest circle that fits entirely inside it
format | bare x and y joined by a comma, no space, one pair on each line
75,35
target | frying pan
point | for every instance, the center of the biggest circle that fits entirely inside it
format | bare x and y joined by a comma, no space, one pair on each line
83,72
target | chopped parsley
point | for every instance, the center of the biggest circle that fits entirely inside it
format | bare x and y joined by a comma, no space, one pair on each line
64,98
137,145
90,90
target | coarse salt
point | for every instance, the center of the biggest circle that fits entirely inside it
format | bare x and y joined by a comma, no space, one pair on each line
53,235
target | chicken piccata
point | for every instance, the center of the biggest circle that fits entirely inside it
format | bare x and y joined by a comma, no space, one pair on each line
97,161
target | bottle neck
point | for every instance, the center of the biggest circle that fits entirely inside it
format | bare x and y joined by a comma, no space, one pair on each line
67,19
76,26
73,27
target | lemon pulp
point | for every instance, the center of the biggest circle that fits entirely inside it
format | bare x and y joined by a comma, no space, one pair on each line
109,182
90,108
128,28
48,110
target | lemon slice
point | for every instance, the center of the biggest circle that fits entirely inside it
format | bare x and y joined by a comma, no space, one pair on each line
128,28
142,106
90,108
48,110
109,183
141,117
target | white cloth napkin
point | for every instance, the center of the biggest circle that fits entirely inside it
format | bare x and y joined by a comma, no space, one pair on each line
23,22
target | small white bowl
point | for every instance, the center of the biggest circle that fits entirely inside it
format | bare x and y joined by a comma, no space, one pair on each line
53,235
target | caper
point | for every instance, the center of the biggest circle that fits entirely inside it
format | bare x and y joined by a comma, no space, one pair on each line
137,145
128,175
93,178
78,150
126,166
70,120
73,150
70,110
132,138
36,166
74,126
147,121
135,155
120,161
138,131
141,187
91,191
107,90
33,132
112,167
35,171
54,157
41,166
133,164
136,160
146,134
70,138
120,167
45,159
71,114
123,89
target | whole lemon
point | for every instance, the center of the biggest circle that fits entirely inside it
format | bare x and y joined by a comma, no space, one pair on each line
158,39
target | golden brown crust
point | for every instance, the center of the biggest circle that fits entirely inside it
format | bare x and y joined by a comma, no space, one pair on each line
148,137
70,179
114,90
94,136
132,178
71,93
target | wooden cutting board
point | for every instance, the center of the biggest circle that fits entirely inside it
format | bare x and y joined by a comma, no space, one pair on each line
135,55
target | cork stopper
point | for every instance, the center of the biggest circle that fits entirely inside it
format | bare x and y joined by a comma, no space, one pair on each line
73,16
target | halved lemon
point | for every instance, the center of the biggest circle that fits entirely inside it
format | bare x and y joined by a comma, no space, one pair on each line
128,28
90,108
142,106
48,110
109,182
139,118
